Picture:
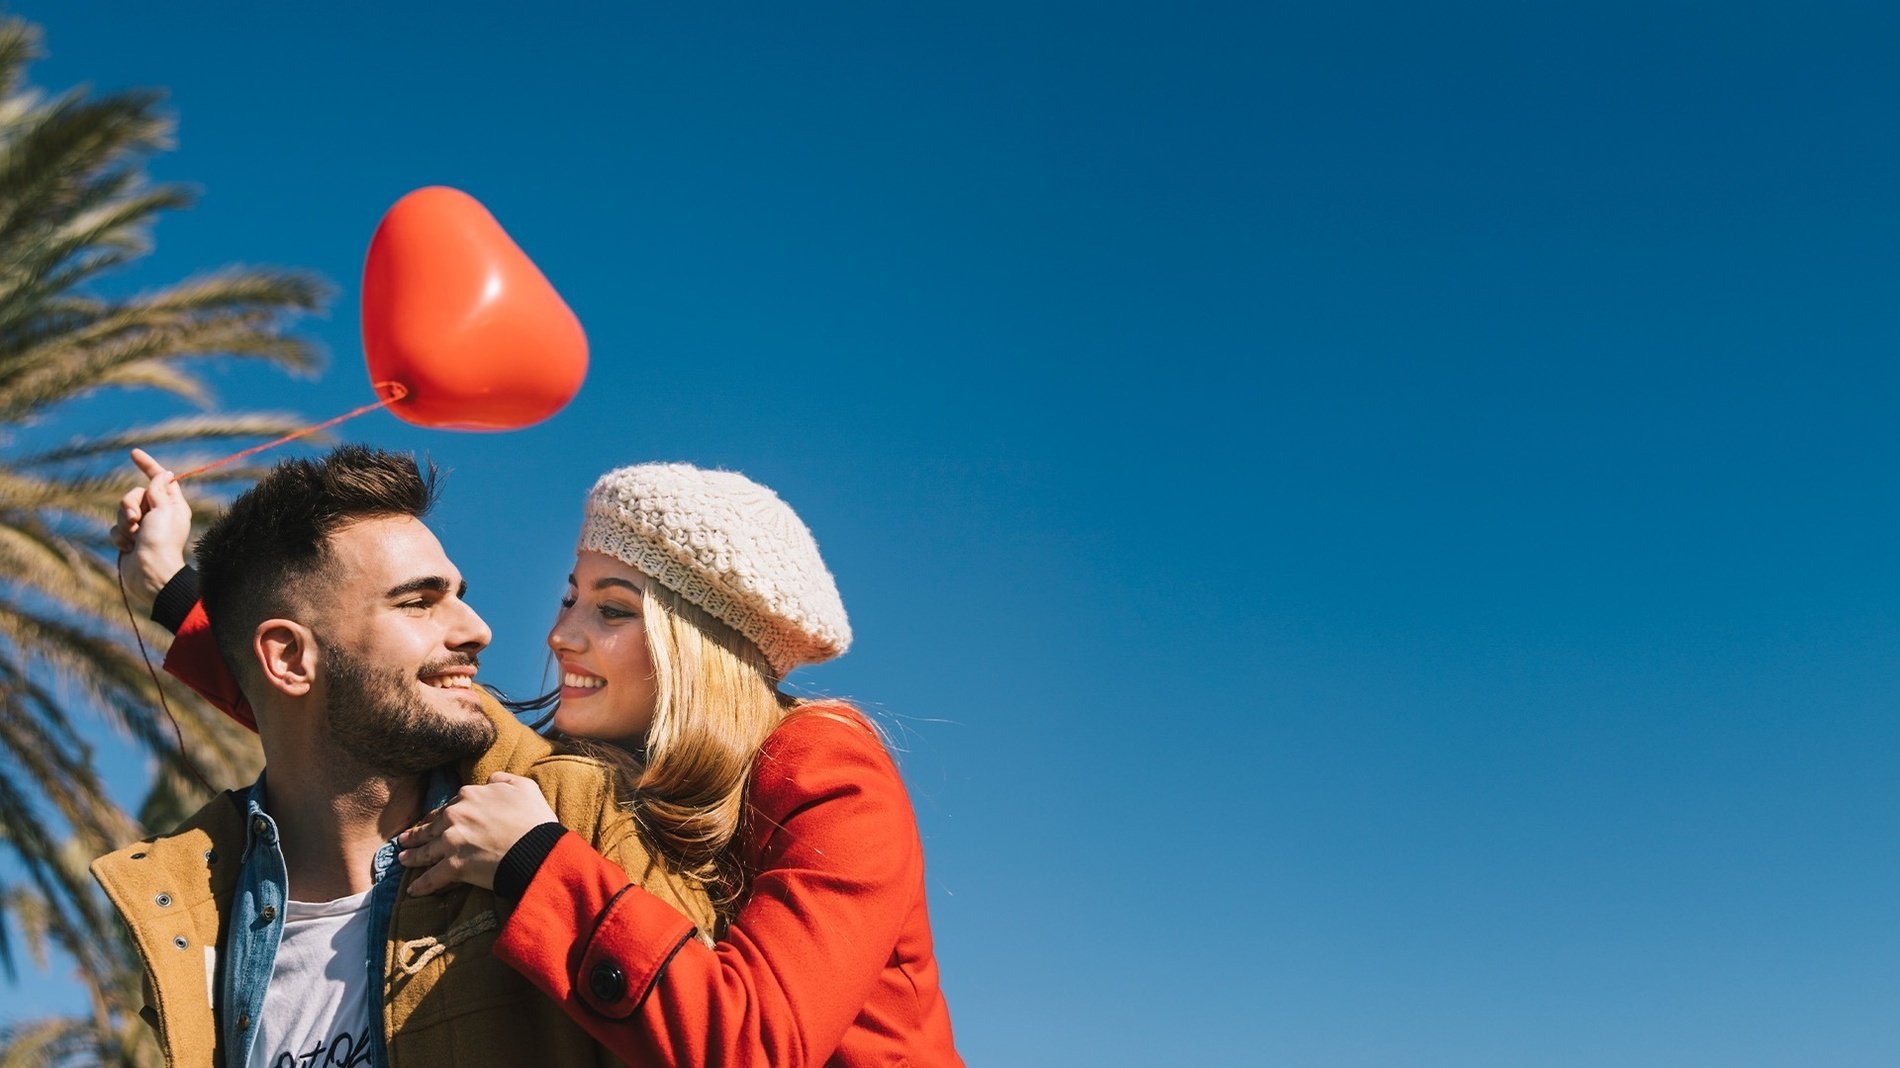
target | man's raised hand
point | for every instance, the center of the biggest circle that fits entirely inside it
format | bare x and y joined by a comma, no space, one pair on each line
153,526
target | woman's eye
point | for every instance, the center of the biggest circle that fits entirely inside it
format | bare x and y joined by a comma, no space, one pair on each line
608,611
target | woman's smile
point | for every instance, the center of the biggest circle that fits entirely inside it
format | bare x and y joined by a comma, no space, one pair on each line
577,682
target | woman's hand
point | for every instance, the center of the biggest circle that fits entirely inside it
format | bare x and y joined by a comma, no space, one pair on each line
464,840
154,524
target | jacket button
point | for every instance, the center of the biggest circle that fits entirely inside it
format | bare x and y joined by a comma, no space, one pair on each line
163,901
244,1021
267,913
259,825
607,982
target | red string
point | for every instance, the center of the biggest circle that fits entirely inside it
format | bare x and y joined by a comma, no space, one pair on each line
396,392
178,733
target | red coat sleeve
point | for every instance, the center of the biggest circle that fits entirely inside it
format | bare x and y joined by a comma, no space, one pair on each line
839,868
195,661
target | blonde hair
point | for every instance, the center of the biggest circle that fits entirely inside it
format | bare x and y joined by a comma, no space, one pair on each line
716,701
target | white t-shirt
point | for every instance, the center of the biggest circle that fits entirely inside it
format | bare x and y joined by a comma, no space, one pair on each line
317,1007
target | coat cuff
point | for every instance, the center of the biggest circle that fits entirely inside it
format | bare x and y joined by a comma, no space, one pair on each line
584,934
176,600
523,859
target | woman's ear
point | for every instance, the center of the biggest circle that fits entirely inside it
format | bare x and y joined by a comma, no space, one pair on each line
287,655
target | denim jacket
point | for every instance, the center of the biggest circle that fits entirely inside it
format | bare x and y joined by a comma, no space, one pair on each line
250,946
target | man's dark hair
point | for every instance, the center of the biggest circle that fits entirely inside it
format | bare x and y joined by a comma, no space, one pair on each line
260,559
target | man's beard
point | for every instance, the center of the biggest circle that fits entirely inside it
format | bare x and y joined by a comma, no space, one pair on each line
379,721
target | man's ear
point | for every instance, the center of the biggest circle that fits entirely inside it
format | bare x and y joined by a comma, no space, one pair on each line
286,652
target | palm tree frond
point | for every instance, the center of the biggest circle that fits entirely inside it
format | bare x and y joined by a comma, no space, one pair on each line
184,430
76,203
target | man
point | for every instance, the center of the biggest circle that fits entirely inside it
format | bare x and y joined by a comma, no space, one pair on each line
272,924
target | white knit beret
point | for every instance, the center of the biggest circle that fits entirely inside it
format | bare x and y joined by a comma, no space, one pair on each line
728,545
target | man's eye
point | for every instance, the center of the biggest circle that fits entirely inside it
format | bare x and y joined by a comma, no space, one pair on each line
568,601
417,603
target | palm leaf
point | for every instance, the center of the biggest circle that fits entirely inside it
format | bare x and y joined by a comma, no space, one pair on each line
75,205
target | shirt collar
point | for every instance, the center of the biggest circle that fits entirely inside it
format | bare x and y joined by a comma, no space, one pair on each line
260,830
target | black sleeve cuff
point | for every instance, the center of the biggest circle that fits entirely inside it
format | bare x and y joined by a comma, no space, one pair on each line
174,602
523,859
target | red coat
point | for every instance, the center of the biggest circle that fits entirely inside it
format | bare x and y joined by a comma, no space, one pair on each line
829,961
195,661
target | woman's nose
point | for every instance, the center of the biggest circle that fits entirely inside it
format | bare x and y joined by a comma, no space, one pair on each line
562,638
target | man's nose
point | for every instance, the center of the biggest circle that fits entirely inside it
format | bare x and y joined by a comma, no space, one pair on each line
470,632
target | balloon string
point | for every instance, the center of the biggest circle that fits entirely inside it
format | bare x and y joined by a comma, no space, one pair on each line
396,392
158,687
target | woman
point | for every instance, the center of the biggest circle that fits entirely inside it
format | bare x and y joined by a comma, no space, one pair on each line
693,593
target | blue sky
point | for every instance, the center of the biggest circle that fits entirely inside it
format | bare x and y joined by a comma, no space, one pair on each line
1372,525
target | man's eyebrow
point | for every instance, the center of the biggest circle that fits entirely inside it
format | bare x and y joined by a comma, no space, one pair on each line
427,584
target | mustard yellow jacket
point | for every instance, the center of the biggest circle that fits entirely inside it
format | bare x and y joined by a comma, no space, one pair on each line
446,1000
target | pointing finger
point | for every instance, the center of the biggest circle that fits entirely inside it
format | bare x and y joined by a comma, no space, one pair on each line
151,468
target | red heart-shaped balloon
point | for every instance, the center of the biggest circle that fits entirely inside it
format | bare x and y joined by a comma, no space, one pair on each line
458,316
